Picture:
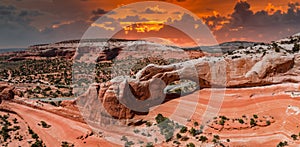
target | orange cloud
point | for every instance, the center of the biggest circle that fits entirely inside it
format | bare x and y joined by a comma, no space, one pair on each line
104,26
271,9
142,27
167,35
61,24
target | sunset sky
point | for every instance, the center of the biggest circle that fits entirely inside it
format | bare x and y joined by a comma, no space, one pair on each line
28,22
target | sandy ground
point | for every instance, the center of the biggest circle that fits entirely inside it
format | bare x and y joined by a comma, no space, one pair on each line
62,129
263,101
274,101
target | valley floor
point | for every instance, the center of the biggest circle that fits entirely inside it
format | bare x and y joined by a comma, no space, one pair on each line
275,101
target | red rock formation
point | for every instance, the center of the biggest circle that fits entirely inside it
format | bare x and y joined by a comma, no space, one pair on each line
122,98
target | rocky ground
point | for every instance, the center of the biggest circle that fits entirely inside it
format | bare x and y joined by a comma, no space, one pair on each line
248,96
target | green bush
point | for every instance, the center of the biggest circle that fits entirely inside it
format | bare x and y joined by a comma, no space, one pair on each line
66,144
149,144
47,89
196,124
193,132
160,118
252,122
38,143
35,136
222,122
296,48
255,116
190,145
45,125
282,144
294,136
185,138
183,129
241,121
217,137
178,136
203,138
268,122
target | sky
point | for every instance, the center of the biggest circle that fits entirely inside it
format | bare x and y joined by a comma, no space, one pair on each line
29,22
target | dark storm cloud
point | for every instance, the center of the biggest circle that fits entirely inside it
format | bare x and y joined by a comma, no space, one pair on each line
62,21
241,14
16,29
72,30
213,22
245,24
15,26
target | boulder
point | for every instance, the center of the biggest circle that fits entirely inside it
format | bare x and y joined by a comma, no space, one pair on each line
6,92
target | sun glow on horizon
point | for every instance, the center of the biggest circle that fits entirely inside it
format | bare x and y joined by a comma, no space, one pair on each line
142,27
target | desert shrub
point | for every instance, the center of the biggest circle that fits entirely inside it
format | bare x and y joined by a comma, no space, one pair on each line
30,130
222,122
282,144
193,132
66,144
160,118
38,143
166,126
35,136
53,104
217,137
276,47
296,48
148,124
176,142
15,120
294,136
255,116
4,133
196,124
190,145
136,131
183,129
185,138
268,122
203,138
241,121
124,138
149,144
235,57
252,122
215,140
15,128
128,143
47,89
45,125
178,136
